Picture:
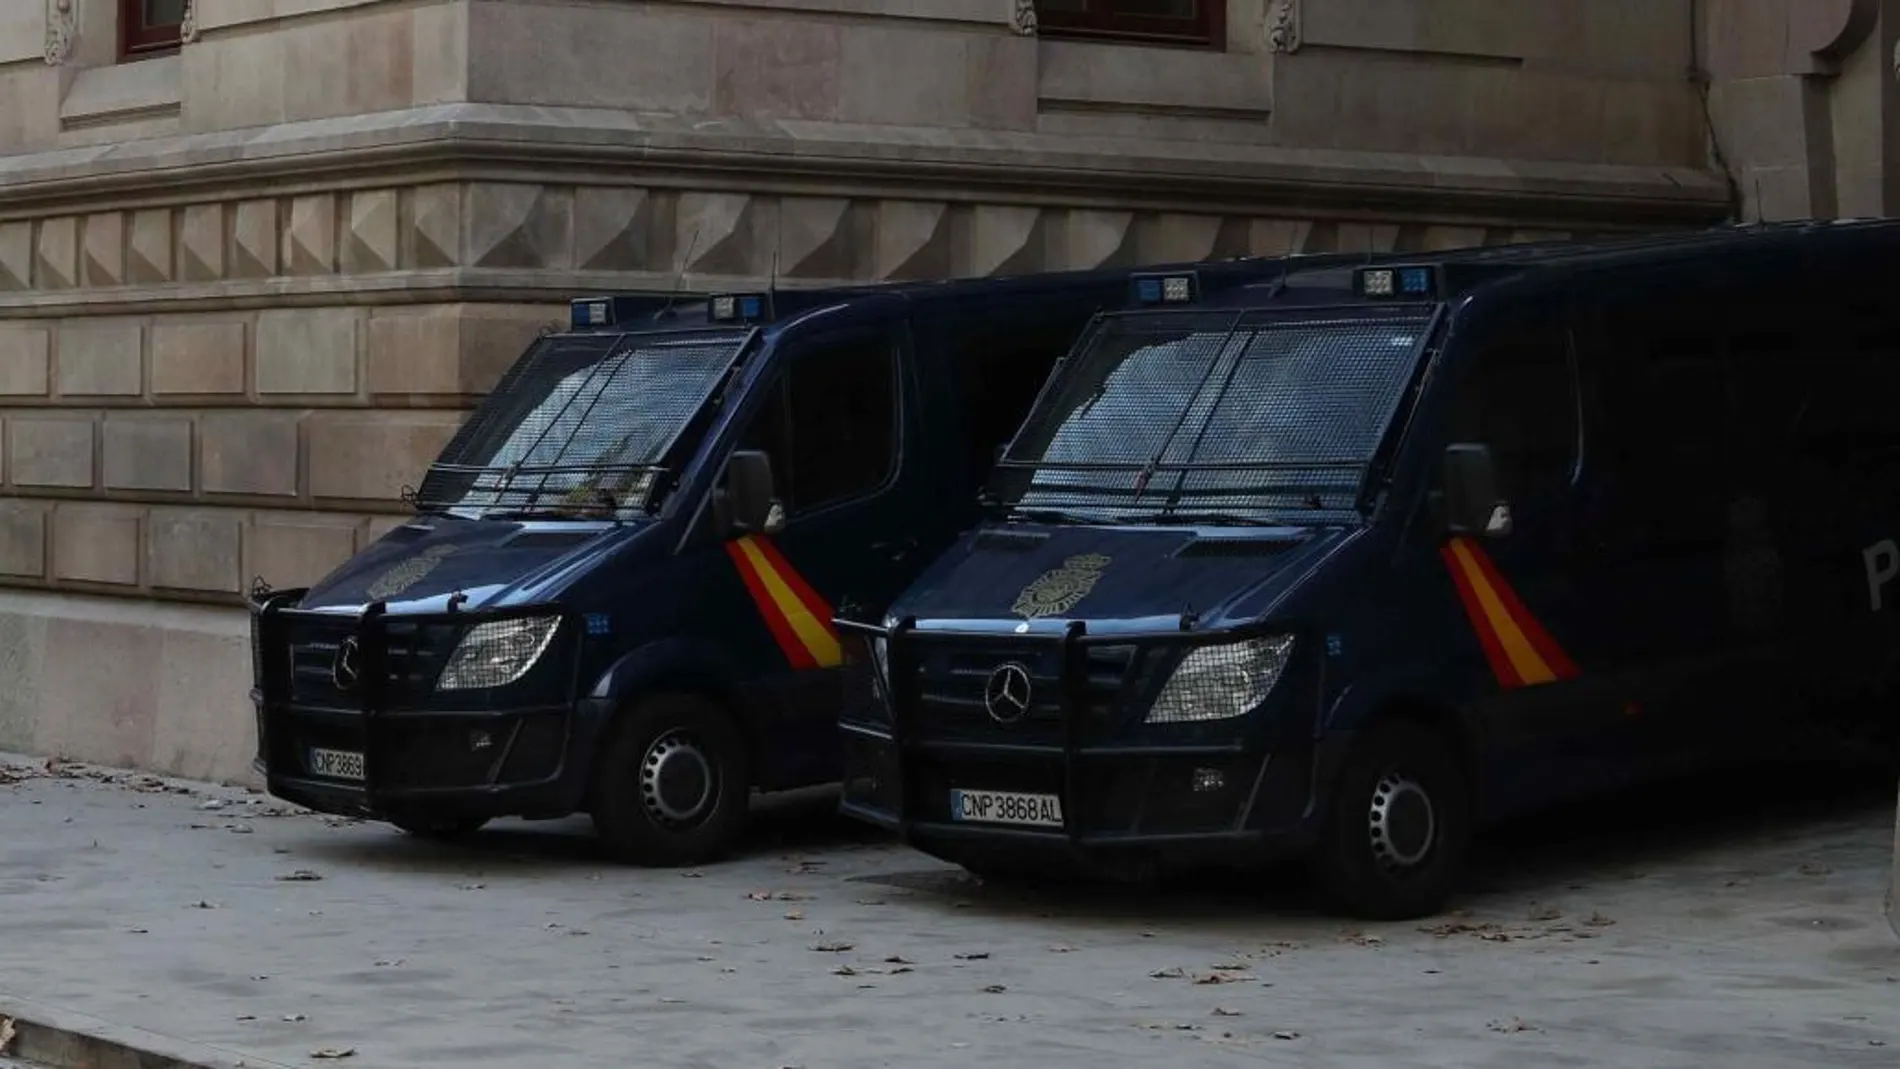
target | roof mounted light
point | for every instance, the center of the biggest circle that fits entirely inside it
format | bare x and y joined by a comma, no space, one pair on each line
1170,288
599,313
1409,281
739,308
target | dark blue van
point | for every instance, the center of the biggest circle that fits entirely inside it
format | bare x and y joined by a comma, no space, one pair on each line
616,595
1343,564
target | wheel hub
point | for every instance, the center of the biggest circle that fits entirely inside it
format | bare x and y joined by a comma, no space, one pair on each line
677,782
1402,823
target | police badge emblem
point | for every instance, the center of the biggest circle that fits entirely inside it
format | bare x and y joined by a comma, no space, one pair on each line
408,573
1056,592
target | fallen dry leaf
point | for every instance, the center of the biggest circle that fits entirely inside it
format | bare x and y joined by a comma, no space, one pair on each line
1060,948
795,915
300,876
332,1053
995,989
1220,1011
294,1018
1286,1035
1546,913
1814,868
1515,1024
1230,966
1598,920
844,970
202,904
691,875
832,948
898,959
1172,972
973,955
902,969
1222,978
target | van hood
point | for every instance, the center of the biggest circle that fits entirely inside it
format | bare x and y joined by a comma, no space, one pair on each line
1134,578
417,567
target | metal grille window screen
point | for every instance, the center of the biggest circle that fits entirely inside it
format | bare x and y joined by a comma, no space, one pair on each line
577,416
1232,414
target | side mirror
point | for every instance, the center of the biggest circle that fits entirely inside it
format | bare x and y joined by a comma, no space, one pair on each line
751,502
1472,502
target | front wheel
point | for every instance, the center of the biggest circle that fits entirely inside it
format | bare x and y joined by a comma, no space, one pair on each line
1398,827
672,786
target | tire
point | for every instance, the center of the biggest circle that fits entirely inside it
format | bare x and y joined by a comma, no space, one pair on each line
442,829
671,787
1398,825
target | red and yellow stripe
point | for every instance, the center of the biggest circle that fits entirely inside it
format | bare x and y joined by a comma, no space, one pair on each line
798,618
1521,652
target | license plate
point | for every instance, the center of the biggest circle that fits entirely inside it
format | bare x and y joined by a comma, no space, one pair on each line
337,764
1006,807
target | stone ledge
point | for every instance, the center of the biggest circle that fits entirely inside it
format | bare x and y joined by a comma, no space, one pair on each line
791,154
48,1038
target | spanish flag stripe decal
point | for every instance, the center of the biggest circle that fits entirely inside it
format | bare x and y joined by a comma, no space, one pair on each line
775,621
799,619
1480,623
1521,652
1553,655
811,599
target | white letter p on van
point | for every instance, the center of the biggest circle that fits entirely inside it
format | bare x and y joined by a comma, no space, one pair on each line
1883,564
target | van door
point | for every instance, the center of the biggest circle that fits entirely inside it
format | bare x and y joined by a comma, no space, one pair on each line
833,422
1548,713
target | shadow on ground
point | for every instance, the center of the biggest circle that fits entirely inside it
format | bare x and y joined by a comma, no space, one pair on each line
796,822
1536,855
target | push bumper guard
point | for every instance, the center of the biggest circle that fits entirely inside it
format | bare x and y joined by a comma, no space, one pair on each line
497,752
1124,799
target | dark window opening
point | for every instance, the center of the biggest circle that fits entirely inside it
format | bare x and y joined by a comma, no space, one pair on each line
150,27
1188,22
830,425
1520,398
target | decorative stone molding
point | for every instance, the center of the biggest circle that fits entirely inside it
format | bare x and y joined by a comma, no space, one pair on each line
539,239
188,29
1022,18
62,30
1283,26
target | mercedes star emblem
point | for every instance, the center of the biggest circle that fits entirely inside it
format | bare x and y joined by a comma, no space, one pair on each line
1006,694
343,670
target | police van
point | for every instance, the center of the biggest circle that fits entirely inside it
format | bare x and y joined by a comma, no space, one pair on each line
616,593
1342,565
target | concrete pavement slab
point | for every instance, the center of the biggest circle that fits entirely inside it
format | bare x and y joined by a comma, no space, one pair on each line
225,920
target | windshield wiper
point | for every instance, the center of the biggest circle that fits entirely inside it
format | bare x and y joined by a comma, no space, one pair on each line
1053,516
1215,519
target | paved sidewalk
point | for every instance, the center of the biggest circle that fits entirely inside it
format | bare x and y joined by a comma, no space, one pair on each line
207,916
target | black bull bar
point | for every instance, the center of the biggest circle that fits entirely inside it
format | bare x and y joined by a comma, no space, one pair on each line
897,691
371,689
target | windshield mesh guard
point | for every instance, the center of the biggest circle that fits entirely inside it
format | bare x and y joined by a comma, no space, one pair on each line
1249,414
580,423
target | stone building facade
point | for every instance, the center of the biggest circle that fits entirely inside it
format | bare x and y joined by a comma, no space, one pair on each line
257,257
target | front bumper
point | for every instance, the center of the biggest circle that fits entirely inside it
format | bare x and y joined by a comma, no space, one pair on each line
1227,795
516,751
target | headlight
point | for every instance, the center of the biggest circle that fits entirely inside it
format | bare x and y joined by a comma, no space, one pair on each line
1222,682
497,653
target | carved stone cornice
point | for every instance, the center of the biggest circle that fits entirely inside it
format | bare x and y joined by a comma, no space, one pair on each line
495,142
62,30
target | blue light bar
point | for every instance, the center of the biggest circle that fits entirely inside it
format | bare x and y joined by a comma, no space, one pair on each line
1171,288
1414,281
739,308
601,313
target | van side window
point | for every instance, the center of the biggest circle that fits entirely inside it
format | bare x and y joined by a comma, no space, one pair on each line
831,425
1520,398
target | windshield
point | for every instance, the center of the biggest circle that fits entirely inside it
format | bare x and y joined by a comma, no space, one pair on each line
1261,417
580,424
